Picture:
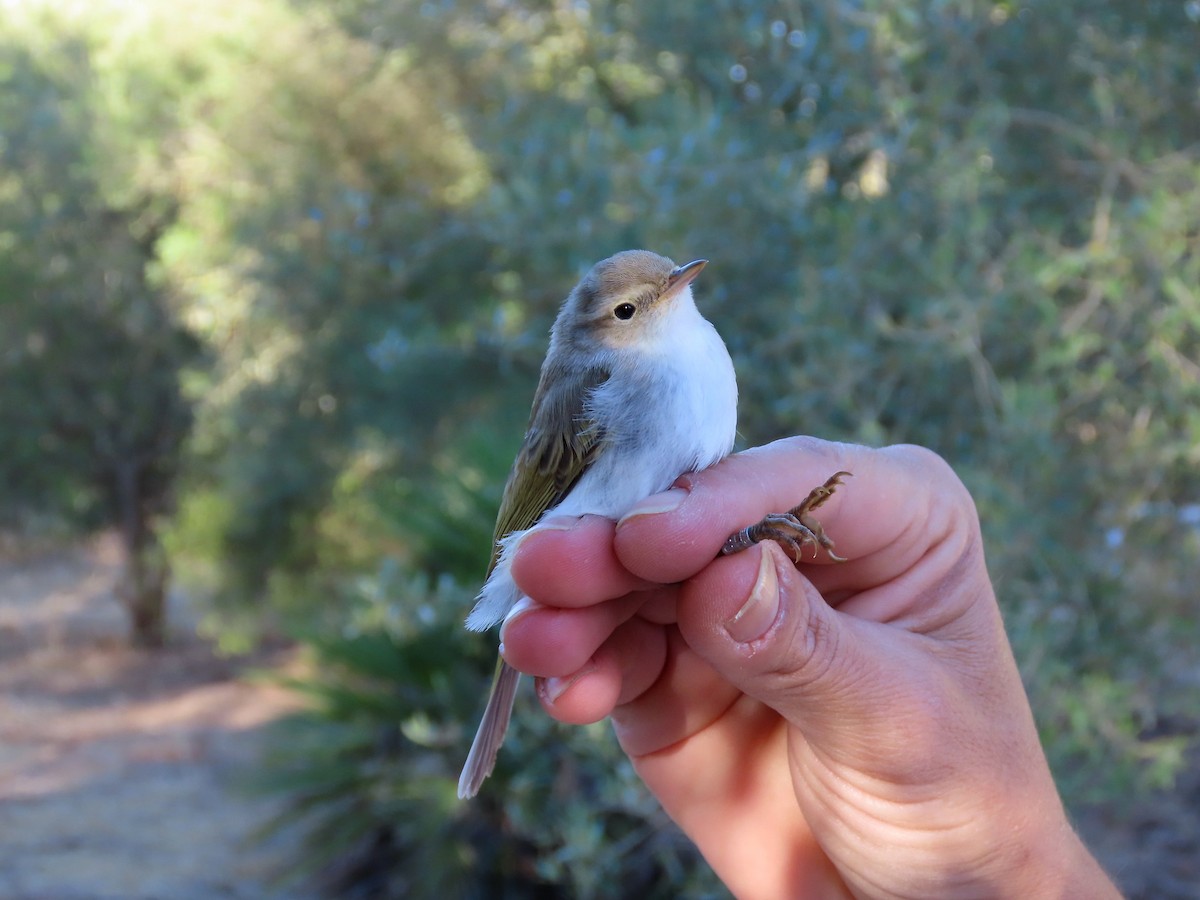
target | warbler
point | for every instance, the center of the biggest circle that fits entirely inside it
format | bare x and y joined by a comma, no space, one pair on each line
637,388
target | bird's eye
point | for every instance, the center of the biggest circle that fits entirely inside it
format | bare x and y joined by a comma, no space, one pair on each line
625,311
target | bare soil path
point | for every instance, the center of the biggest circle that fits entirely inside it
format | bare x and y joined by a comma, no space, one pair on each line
119,768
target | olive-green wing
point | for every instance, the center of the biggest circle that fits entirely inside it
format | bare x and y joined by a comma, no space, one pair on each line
559,446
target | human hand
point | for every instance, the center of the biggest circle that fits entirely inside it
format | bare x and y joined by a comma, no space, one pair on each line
858,729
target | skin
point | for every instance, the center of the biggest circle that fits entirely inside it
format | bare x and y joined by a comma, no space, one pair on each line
828,730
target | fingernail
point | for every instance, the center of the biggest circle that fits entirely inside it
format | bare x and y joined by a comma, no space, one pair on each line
557,523
522,606
759,612
553,688
655,504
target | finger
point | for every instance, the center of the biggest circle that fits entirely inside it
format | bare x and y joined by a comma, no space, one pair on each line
763,626
659,605
570,562
623,668
671,536
547,641
899,501
849,685
687,697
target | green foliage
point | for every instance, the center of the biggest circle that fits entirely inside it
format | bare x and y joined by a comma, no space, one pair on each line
371,770
335,232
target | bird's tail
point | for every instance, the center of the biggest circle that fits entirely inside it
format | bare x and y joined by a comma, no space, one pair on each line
482,758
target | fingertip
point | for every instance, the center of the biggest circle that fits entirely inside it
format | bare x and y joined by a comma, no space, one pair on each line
669,538
572,565
522,607
755,617
655,504
677,533
717,603
548,641
585,696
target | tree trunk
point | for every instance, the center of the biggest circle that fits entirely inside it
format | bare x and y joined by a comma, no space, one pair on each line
143,585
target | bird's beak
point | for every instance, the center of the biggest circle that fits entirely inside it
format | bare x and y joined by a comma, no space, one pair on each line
682,276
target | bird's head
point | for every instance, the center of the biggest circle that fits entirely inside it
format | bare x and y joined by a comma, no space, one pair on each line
627,299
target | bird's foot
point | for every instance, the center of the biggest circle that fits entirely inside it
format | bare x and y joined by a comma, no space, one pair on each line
794,529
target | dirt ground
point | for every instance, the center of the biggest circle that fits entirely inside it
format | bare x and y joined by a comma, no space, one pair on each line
119,768
1151,846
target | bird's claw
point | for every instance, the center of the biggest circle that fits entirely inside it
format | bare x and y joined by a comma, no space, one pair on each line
793,529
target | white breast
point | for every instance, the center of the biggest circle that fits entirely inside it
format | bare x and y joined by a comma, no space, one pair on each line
669,408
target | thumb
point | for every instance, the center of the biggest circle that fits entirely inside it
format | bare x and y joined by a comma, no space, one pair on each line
766,629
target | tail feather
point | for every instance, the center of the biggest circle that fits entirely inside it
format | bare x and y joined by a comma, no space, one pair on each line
482,758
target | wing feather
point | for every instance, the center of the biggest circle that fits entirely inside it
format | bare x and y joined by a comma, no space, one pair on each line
559,445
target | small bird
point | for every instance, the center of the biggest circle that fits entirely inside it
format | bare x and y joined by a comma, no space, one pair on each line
637,388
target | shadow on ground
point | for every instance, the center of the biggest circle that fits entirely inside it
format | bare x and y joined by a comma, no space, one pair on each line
120,769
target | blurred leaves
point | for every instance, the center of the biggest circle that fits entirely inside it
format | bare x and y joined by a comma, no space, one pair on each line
372,770
308,253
